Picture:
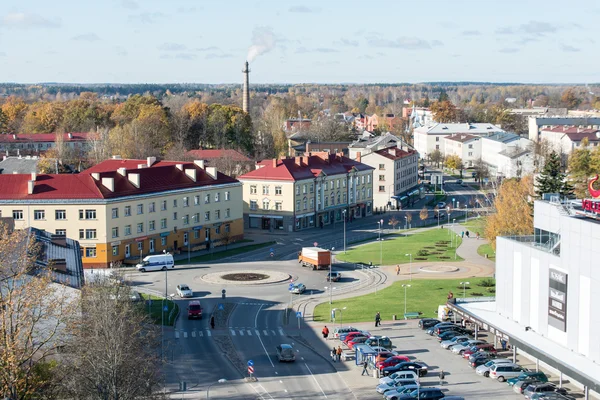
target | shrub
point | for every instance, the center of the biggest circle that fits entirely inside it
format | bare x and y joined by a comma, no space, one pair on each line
488,282
420,259
422,253
444,257
491,290
464,288
476,294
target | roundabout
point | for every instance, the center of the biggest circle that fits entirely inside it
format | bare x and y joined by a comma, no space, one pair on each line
255,277
439,269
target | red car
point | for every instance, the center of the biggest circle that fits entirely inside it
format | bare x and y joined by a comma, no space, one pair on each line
383,355
352,335
480,347
357,340
390,362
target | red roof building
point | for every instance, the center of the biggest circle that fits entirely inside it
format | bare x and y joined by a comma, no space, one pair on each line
39,142
217,154
565,139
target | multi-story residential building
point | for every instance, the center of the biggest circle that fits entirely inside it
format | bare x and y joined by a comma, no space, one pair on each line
121,210
297,124
564,139
467,147
501,150
368,143
538,124
40,142
396,179
304,192
429,138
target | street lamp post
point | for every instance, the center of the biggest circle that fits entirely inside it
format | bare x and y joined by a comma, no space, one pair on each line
464,288
410,266
162,313
466,211
380,243
211,385
448,215
341,314
344,214
405,287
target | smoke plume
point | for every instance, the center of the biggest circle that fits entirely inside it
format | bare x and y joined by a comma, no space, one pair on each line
263,41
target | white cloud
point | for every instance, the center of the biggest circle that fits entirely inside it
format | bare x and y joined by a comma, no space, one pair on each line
569,49
172,47
147,17
86,37
403,42
302,9
29,20
130,4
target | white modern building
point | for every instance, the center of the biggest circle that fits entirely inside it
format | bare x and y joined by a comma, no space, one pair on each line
431,137
537,124
467,147
564,139
547,293
505,152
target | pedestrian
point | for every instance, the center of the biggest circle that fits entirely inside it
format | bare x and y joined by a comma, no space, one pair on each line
503,343
325,332
377,319
212,322
467,233
442,376
333,354
365,366
462,234
370,264
397,269
477,235
339,353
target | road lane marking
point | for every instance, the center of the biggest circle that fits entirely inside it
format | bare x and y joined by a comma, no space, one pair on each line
256,316
208,333
232,332
281,332
200,334
274,333
315,379
176,335
265,332
261,342
193,333
249,332
185,335
257,332
241,332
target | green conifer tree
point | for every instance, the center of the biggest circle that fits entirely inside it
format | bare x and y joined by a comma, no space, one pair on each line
552,179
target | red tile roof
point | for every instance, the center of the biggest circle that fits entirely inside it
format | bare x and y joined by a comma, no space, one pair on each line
158,178
115,164
576,134
395,153
311,167
212,154
42,137
462,138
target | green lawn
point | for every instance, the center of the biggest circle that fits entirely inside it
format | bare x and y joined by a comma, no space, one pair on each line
225,253
156,307
394,250
423,296
487,249
475,225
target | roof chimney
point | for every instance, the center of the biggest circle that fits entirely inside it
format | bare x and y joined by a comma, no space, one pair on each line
199,163
122,171
140,166
150,161
191,173
358,156
274,163
307,147
116,157
33,176
179,166
14,137
212,172
70,135
298,161
134,179
109,183
30,186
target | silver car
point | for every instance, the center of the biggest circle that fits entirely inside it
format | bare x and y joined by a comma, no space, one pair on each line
502,372
298,288
399,391
484,370
458,349
447,344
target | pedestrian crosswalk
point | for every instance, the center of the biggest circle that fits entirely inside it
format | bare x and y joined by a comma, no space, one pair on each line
233,331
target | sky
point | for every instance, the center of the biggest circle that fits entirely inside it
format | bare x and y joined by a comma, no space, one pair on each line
327,41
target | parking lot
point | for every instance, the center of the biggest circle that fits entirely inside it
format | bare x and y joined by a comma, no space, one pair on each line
460,379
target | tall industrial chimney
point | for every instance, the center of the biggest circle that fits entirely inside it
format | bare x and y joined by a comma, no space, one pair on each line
246,89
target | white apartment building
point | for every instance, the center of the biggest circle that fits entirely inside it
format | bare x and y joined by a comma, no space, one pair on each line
564,139
467,147
507,155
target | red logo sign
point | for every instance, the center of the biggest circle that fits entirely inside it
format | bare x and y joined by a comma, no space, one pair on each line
595,193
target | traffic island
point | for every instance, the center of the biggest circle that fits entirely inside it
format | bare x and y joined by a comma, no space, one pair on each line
245,277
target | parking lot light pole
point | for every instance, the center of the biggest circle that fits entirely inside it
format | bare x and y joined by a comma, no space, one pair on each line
448,214
344,214
464,289
466,212
405,287
211,385
410,266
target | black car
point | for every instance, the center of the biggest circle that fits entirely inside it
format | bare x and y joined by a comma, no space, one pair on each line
482,355
420,369
424,393
453,333
426,323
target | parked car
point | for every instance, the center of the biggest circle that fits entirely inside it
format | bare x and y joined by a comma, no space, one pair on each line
459,181
285,352
484,370
381,341
339,331
184,290
452,333
334,276
391,361
542,387
395,377
298,288
479,361
479,347
351,335
423,393
520,386
194,309
383,355
502,372
551,396
447,344
406,366
381,348
356,340
400,381
426,323
430,331
441,205
483,355
445,328
398,391
460,348
534,375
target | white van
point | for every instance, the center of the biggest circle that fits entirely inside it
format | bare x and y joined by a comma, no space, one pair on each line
156,263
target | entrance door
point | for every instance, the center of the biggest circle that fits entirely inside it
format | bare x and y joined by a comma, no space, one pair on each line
175,245
266,223
151,245
127,251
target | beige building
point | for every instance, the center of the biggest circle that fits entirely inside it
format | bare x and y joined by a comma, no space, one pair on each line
297,193
122,210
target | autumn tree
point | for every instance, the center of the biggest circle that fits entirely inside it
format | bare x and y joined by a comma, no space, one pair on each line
43,117
584,162
393,222
113,350
35,314
99,146
552,179
424,214
14,108
514,213
482,171
3,122
444,111
409,218
570,99
328,130
454,162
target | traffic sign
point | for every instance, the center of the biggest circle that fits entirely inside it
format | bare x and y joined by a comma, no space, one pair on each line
166,308
221,306
250,363
271,250
250,370
298,314
315,244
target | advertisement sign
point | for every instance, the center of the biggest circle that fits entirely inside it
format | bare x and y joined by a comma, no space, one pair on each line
557,299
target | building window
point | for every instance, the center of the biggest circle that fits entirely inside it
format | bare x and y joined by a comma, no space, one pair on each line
326,201
437,146
196,218
115,232
151,207
127,211
127,230
82,234
140,227
278,206
115,213
304,189
312,204
227,195
217,214
87,214
227,213
90,234
278,190
207,198
227,228
265,189
437,138
163,241
382,188
298,190
61,232
253,189
186,201
218,230
265,204
297,205
151,225
305,203
140,209
90,252
217,197
196,234
207,216
344,198
140,246
163,205
369,193
381,167
332,199
207,234
115,250
253,205
368,178
174,216
381,178
311,188
196,200
186,219
60,214
163,223
39,214
331,185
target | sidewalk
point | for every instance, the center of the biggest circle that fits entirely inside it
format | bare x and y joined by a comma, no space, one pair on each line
254,240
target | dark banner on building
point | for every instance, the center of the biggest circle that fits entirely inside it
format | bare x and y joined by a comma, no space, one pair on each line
557,300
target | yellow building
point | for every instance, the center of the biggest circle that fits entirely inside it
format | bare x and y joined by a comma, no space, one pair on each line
121,210
314,190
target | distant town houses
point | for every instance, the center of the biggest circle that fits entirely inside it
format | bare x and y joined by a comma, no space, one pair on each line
23,143
544,123
429,138
297,124
564,139
310,191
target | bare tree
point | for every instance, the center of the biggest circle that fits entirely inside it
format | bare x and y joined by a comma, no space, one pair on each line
113,351
393,222
424,214
226,238
98,145
409,218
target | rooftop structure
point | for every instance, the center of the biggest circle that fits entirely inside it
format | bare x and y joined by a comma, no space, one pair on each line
19,165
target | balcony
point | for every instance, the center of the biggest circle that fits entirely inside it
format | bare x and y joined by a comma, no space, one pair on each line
548,243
